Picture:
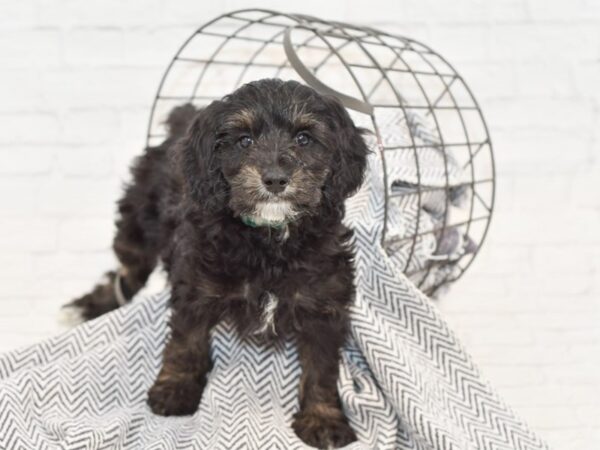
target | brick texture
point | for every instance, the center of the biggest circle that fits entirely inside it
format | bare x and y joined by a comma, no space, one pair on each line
76,83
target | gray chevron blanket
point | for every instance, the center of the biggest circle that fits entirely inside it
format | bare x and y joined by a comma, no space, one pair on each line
406,383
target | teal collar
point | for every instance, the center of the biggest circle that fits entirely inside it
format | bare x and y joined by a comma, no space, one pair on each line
254,223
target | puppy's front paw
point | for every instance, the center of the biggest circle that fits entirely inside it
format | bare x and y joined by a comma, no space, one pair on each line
323,432
175,397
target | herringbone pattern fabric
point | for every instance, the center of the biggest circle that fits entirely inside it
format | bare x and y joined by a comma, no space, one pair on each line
406,383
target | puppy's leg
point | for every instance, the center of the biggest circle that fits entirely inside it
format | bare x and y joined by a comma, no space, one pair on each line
100,300
137,244
321,422
186,362
137,259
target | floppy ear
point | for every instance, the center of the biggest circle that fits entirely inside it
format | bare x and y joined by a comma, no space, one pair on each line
197,160
350,159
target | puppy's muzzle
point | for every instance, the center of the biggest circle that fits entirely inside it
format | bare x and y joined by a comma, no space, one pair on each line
275,180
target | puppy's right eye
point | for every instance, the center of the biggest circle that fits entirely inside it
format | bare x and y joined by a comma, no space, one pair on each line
245,141
303,139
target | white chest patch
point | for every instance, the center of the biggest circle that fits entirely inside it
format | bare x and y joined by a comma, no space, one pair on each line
267,318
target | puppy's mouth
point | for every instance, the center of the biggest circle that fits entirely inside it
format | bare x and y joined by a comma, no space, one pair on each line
256,205
273,213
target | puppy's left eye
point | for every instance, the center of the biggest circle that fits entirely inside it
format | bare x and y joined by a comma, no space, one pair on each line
245,141
303,139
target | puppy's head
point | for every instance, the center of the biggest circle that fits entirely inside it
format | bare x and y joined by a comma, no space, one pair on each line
273,151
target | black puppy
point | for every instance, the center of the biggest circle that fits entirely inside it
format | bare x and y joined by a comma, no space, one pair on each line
244,204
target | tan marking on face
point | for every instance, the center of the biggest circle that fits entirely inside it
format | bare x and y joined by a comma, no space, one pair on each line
305,120
305,185
243,118
249,178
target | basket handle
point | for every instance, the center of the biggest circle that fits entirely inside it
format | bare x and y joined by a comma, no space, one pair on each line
310,79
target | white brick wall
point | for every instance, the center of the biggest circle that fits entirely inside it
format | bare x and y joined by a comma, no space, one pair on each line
76,82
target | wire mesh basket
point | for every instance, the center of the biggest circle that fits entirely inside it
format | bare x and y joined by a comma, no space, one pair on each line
429,192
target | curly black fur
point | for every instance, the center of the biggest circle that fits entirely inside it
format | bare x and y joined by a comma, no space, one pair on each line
269,143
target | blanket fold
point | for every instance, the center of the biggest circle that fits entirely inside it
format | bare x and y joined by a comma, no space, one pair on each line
406,383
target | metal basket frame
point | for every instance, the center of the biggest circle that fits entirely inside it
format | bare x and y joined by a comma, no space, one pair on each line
322,32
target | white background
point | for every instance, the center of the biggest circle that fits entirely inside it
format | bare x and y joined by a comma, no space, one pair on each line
76,82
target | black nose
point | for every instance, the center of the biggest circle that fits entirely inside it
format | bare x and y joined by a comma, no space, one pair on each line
275,180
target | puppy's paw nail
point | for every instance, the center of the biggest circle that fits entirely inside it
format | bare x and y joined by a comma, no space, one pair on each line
70,316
